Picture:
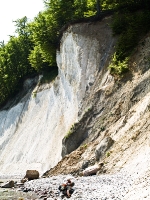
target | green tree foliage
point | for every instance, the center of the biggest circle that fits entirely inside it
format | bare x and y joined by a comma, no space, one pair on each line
131,22
44,37
36,59
34,47
92,8
47,25
14,64
26,45
131,5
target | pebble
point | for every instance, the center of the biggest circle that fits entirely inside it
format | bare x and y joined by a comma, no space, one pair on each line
98,187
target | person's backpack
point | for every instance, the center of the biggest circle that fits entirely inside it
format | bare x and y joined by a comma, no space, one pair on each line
62,187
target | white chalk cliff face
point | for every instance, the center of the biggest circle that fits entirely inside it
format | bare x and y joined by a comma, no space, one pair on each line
31,132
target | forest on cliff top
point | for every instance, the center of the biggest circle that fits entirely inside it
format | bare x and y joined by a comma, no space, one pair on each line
32,50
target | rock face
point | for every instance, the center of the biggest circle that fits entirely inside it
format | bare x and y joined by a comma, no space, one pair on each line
119,109
32,130
104,145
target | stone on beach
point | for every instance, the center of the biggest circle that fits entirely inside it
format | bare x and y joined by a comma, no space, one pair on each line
31,174
92,170
9,184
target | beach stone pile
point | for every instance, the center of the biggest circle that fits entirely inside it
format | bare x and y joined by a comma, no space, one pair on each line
98,187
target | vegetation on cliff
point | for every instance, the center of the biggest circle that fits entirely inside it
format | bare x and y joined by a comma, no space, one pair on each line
33,50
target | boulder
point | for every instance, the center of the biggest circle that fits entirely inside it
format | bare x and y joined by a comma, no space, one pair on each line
9,184
24,180
31,174
104,145
92,170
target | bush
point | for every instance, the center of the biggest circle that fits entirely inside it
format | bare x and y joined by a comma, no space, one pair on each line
70,131
118,67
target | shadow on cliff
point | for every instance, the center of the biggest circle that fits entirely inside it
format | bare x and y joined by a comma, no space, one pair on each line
11,106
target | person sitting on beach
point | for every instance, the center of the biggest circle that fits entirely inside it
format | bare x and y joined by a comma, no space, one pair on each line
66,188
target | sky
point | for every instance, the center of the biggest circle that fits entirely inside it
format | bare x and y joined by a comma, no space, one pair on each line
11,10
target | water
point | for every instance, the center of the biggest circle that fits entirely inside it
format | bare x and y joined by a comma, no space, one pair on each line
14,193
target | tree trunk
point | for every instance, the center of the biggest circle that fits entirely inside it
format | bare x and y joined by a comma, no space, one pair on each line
98,8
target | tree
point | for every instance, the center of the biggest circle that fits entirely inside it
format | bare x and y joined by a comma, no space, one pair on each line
2,43
14,63
34,47
25,44
98,8
36,60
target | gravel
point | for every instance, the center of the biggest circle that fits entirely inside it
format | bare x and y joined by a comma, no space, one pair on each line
119,186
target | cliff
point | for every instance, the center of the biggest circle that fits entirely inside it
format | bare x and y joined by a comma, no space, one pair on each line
117,108
31,130
80,109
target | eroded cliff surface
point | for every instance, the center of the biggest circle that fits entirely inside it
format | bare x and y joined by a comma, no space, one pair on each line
31,131
119,109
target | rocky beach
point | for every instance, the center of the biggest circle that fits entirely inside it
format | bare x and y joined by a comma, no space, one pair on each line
119,186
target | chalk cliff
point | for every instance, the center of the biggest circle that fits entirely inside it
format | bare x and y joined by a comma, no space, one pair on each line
32,130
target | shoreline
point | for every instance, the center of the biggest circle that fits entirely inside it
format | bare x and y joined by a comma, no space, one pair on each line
16,192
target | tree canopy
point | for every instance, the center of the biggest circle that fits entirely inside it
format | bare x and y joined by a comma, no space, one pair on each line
33,50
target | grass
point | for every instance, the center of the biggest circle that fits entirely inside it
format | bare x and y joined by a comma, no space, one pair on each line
34,94
108,154
70,132
84,146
